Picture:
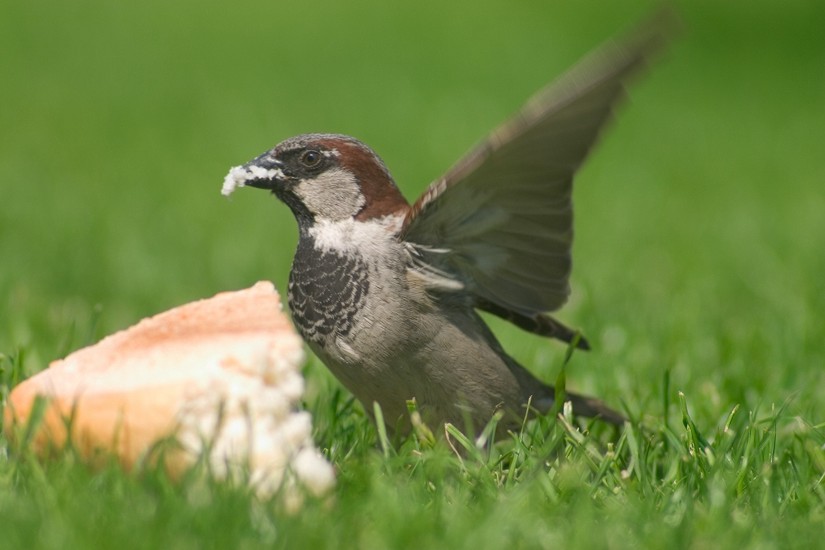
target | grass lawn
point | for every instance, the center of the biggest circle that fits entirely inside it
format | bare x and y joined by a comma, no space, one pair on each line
699,272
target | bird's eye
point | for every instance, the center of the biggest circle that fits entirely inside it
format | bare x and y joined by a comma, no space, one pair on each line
311,158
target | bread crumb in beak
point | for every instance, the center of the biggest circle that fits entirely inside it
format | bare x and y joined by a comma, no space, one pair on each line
239,175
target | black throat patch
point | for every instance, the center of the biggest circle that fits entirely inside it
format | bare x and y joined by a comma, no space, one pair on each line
326,290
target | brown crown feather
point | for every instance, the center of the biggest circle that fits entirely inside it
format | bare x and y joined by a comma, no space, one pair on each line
382,195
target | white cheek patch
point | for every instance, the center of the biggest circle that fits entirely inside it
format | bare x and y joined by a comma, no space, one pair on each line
333,195
238,176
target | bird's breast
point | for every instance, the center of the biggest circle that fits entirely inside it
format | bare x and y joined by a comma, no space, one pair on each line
326,290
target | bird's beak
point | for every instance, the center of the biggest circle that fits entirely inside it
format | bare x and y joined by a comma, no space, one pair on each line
263,172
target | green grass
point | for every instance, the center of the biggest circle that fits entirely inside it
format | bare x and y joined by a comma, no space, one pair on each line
698,270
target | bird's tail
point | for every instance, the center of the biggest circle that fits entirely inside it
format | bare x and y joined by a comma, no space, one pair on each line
582,406
595,408
543,397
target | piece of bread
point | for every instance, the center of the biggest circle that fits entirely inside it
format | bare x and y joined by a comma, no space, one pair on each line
220,374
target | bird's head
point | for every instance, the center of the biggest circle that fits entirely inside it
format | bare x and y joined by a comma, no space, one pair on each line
323,177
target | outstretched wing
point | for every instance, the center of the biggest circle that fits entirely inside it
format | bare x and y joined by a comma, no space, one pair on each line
504,211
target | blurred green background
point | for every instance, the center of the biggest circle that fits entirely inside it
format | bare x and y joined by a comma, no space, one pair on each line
700,245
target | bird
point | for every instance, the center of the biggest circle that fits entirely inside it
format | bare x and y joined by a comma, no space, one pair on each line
387,294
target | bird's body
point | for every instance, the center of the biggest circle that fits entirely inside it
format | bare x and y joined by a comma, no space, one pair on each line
367,313
386,293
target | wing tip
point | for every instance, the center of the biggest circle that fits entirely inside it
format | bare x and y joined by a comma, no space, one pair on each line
539,323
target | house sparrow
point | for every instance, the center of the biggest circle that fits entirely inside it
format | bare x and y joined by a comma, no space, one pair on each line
386,294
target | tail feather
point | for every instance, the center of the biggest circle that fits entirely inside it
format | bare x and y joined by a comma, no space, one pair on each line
542,396
583,405
594,408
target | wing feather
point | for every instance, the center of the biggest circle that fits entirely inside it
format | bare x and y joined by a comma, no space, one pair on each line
504,211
